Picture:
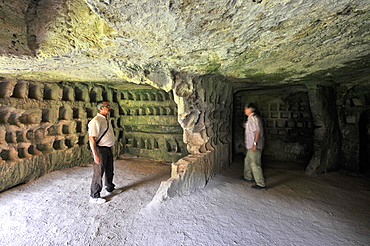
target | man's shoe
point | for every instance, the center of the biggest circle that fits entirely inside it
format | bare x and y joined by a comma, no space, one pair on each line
97,200
114,192
246,180
257,187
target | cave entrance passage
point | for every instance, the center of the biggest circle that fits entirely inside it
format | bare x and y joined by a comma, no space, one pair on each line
364,132
287,120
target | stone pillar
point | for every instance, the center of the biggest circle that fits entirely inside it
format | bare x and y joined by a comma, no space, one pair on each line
205,110
327,140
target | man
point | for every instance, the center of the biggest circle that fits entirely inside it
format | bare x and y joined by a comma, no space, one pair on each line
102,152
254,141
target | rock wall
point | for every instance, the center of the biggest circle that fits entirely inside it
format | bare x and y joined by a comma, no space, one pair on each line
327,139
43,126
287,122
353,107
325,127
205,113
149,117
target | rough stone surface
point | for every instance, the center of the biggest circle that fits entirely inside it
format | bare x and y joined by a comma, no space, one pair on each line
327,142
287,120
43,126
142,42
200,51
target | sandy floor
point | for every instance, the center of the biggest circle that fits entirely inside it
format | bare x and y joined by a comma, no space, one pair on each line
331,209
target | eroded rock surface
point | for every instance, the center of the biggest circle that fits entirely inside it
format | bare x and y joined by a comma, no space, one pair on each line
143,42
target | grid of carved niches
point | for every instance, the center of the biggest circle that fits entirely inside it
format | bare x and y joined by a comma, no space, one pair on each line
142,102
24,142
146,95
283,119
166,147
155,110
26,132
37,118
63,91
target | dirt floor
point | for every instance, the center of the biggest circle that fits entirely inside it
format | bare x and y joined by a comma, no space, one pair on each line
331,209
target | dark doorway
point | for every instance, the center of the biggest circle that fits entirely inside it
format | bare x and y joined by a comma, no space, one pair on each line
364,130
287,121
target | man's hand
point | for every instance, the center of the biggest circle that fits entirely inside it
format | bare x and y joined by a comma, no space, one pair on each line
254,148
97,159
94,150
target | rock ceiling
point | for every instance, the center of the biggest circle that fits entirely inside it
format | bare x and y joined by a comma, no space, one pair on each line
147,41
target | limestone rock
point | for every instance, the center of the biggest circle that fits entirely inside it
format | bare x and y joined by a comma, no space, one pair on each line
144,42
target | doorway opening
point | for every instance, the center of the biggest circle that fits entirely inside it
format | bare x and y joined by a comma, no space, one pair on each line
287,122
364,132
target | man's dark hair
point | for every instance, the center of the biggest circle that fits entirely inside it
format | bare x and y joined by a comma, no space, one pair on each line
252,106
100,104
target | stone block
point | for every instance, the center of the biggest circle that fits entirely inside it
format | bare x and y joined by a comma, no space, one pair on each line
31,116
351,119
23,152
284,115
45,145
81,93
283,107
107,95
96,94
274,106
59,144
67,93
30,135
304,105
274,114
357,102
35,91
4,114
306,115
82,113
71,141
2,136
6,89
10,154
10,137
65,113
270,123
76,113
81,140
46,115
116,97
295,107
52,92
300,124
90,113
291,123
39,134
20,90
55,130
69,127
21,136
14,117
78,124
280,123
272,132
33,151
